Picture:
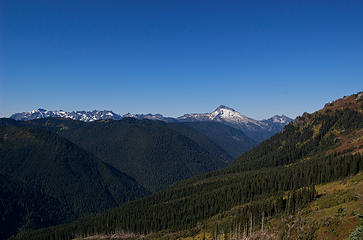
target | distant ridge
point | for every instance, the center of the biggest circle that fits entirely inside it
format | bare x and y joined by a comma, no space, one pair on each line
85,116
258,130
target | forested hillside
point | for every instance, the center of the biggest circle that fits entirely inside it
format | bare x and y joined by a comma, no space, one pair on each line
276,178
25,208
153,153
71,179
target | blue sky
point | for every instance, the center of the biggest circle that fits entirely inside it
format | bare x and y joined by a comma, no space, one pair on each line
172,57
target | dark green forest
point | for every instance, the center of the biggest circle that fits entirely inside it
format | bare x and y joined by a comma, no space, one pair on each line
25,208
153,153
183,207
51,168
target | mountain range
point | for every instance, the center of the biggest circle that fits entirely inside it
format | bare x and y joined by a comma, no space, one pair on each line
303,183
86,162
255,129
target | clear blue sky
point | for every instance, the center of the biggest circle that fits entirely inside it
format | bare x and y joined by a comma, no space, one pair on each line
172,57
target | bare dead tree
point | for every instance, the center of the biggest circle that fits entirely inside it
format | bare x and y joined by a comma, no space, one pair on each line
251,224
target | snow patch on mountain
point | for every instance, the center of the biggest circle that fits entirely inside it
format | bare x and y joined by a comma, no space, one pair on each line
86,116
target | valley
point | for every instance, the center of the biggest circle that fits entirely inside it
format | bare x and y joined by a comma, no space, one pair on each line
292,181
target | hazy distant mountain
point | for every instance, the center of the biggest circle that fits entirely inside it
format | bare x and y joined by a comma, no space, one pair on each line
150,117
276,123
257,130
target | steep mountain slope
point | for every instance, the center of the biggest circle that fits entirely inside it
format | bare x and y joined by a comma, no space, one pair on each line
23,208
201,139
232,140
336,128
257,130
151,152
276,178
60,169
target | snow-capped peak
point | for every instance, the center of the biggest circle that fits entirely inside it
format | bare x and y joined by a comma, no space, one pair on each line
224,113
86,116
280,119
220,114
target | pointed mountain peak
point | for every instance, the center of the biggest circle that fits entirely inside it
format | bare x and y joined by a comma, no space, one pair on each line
224,107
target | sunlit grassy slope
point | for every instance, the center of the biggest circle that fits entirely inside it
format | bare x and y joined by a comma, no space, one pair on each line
333,216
